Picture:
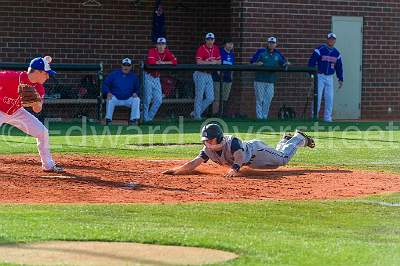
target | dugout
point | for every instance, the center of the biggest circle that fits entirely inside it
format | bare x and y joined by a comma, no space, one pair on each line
76,89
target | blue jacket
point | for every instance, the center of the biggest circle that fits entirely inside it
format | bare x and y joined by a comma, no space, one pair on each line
226,59
120,85
269,59
328,60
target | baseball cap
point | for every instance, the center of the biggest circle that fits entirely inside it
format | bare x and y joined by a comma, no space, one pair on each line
42,63
212,131
272,39
331,35
126,61
161,40
210,35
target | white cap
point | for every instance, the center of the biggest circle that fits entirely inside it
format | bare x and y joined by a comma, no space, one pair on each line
161,40
126,61
272,39
210,35
331,35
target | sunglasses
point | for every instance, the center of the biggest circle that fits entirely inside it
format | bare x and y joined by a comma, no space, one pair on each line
126,64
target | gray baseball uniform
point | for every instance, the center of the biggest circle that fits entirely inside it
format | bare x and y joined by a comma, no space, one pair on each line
256,154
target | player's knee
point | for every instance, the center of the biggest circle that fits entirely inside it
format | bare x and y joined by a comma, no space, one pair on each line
41,133
158,97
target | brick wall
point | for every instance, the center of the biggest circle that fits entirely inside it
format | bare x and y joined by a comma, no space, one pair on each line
76,34
73,33
300,25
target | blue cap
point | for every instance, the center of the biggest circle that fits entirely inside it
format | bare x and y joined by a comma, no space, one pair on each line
43,64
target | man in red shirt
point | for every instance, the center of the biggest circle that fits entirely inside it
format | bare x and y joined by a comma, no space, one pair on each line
160,55
206,54
12,112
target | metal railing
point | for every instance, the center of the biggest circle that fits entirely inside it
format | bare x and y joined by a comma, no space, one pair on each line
180,69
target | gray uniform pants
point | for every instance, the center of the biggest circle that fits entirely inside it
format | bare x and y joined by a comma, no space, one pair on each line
266,157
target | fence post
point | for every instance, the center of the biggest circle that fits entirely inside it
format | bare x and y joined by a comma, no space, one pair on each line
221,107
100,96
315,113
141,77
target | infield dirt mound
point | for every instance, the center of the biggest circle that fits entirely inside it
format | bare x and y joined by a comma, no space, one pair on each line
91,179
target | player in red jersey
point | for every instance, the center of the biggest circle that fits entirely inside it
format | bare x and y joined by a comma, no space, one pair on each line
206,54
159,55
13,112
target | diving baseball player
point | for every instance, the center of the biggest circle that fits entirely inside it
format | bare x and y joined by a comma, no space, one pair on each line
328,60
235,153
25,89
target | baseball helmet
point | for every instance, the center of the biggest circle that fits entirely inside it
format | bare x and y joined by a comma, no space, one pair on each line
212,131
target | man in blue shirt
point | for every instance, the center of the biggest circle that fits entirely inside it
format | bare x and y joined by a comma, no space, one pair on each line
122,88
264,81
329,61
227,58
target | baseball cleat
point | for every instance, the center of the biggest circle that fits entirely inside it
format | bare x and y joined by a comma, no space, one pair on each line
55,169
309,140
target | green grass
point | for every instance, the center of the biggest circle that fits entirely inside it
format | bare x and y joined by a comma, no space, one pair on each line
344,232
348,232
338,144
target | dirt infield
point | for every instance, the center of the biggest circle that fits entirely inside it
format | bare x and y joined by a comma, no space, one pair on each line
91,179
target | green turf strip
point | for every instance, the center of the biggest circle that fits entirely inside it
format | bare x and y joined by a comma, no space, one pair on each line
345,232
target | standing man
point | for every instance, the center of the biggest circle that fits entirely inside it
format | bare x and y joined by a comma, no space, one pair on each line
122,88
160,55
207,54
264,81
328,60
12,105
227,58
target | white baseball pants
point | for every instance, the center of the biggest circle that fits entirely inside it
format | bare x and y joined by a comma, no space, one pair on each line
264,93
204,85
152,93
133,103
325,87
29,124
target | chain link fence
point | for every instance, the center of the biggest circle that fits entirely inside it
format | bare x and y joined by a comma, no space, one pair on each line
201,91
191,91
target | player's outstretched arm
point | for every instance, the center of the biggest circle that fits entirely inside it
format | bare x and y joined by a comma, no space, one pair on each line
237,163
186,168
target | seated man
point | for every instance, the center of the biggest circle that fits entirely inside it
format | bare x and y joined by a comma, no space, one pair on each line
122,88
231,151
